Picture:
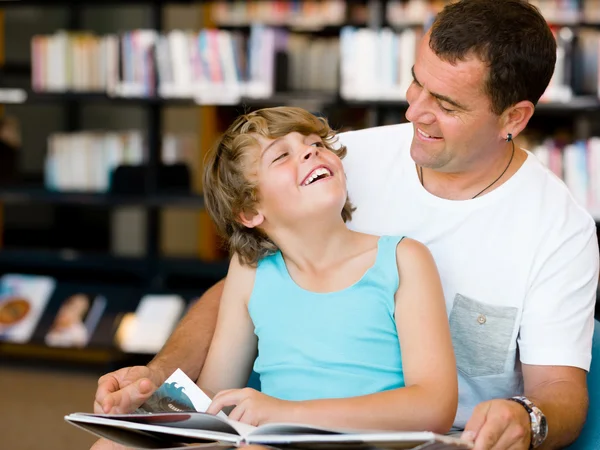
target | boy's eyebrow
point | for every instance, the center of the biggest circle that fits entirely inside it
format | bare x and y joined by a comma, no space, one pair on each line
439,96
269,146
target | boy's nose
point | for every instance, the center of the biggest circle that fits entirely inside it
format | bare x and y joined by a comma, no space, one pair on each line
310,152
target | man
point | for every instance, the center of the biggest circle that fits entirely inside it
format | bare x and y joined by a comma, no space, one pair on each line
517,257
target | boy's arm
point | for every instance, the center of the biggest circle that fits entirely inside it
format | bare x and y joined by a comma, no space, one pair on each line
124,390
234,345
430,398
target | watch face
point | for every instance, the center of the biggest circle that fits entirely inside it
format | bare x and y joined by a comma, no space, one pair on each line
543,427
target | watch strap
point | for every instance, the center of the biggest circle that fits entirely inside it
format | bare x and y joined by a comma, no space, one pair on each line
536,418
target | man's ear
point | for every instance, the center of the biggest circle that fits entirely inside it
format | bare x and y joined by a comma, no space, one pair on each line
517,117
251,219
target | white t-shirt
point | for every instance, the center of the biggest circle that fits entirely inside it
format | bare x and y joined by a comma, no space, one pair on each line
519,265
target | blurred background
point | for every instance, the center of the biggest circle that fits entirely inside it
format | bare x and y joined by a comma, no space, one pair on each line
106,110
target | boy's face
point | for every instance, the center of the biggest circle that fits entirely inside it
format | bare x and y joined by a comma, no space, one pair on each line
299,179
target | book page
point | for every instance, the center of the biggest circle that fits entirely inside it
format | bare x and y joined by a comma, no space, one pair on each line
195,425
397,440
178,393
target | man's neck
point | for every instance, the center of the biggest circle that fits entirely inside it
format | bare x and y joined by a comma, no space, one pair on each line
468,184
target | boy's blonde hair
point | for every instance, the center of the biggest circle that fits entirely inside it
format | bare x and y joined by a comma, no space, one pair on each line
228,191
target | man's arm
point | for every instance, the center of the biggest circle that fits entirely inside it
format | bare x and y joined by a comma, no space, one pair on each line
124,390
188,345
561,394
555,341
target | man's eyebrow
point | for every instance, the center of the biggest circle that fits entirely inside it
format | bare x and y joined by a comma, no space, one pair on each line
439,96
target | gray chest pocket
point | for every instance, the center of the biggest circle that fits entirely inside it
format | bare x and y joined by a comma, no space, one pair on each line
481,335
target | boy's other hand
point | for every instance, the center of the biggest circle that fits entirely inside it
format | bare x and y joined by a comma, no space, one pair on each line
250,406
126,389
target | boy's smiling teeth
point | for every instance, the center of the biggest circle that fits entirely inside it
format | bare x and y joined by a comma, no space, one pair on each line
319,172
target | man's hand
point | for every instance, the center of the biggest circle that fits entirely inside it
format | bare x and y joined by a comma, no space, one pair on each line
251,406
499,424
124,390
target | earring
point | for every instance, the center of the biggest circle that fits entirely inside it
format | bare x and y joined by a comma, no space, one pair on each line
508,137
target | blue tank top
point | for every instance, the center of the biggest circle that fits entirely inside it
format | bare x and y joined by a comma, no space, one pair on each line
327,345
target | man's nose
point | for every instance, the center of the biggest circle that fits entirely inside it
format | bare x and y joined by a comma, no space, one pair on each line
419,110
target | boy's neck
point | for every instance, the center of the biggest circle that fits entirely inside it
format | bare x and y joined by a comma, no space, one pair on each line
315,246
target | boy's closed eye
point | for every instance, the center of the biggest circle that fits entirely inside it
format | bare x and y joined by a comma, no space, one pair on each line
280,156
283,154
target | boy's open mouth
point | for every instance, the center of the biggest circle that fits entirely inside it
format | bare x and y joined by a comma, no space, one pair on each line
318,173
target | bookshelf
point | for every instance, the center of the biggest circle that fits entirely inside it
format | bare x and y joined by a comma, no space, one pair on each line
153,271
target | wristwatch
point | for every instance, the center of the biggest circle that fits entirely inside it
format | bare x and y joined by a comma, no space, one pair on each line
539,425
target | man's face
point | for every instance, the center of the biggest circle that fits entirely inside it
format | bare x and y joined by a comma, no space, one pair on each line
454,126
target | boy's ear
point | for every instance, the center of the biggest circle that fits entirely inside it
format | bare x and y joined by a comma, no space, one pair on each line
251,219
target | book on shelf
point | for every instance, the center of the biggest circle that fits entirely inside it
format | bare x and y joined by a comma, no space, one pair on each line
76,320
185,422
23,299
88,161
577,164
208,66
146,330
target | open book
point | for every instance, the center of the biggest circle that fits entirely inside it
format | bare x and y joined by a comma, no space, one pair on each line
187,423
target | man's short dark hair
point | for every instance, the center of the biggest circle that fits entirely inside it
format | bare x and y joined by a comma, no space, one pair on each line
511,36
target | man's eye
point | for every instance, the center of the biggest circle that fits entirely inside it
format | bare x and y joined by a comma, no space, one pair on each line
446,110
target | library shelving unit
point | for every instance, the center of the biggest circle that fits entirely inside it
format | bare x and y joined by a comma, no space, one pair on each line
150,273
154,272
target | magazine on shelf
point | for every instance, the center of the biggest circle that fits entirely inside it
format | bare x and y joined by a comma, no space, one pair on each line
148,328
186,422
23,299
76,320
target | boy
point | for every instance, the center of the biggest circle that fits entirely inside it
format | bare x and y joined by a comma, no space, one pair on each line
350,329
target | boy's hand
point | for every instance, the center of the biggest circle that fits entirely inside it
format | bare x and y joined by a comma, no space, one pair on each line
251,406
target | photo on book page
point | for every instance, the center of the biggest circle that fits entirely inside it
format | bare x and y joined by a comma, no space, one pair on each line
177,394
169,397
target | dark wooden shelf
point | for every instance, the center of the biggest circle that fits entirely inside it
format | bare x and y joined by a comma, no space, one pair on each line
41,195
15,68
40,260
278,99
319,30
82,3
577,104
38,355
327,99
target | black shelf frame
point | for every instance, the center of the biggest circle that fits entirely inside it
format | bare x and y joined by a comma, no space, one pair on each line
153,266
131,268
15,195
151,271
577,104
95,3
